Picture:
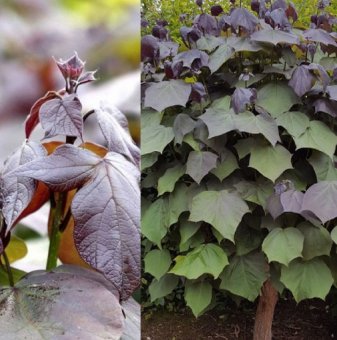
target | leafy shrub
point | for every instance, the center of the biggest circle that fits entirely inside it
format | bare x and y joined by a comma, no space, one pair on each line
238,156
94,203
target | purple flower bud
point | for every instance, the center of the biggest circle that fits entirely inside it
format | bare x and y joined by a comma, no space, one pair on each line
199,2
71,68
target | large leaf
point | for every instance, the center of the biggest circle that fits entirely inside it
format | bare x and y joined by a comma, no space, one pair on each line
154,136
222,209
198,295
162,95
205,259
163,287
275,36
321,199
105,209
16,190
270,161
319,137
323,166
62,116
57,304
307,279
223,53
157,262
276,98
226,165
302,80
116,135
283,245
132,329
245,275
294,122
220,122
319,35
200,163
241,17
317,241
183,124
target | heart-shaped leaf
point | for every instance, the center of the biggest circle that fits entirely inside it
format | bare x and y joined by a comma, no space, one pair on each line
275,36
46,305
200,163
62,116
198,295
16,190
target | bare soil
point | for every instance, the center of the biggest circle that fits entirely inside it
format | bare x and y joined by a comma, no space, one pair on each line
309,320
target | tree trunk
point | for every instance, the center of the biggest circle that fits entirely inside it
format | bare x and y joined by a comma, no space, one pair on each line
265,312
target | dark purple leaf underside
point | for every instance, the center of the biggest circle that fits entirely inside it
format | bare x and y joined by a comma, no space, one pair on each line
240,17
66,168
62,116
117,137
17,190
107,222
302,80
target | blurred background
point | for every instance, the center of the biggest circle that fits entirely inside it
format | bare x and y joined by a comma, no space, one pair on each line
105,33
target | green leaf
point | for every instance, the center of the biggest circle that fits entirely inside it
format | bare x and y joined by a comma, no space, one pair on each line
226,165
167,182
198,295
220,56
318,137
155,221
164,94
247,239
199,164
209,43
149,159
154,136
256,192
220,122
283,245
15,250
205,259
276,98
163,287
157,262
17,275
270,161
187,229
222,209
317,241
307,279
294,122
323,166
245,275
334,234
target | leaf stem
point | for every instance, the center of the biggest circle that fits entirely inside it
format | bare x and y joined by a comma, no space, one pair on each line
8,269
55,235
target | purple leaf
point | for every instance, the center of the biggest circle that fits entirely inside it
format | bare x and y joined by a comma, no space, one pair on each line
33,117
150,48
117,137
167,49
279,18
332,92
240,17
320,36
192,59
291,12
207,24
241,98
62,116
106,211
17,190
183,124
190,34
326,105
320,74
302,80
67,168
199,164
198,92
279,4
321,199
275,37
87,77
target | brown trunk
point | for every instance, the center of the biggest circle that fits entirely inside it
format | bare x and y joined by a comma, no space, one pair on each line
265,312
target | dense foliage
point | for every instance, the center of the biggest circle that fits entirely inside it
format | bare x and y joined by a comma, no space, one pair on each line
239,141
94,201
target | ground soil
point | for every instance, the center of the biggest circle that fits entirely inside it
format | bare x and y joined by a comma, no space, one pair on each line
309,320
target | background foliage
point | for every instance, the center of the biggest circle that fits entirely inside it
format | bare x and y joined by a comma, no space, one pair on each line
238,156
